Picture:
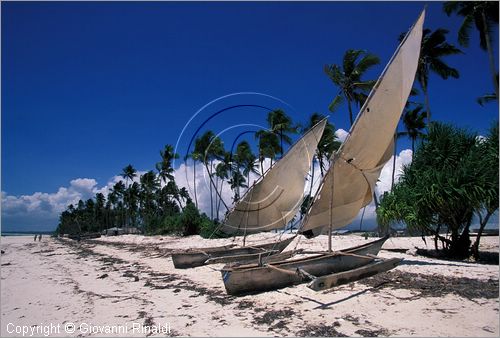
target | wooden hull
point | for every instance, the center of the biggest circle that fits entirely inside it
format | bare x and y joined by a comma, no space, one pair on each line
198,257
368,270
252,278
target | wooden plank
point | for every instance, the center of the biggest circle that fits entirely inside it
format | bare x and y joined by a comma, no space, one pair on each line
240,258
329,281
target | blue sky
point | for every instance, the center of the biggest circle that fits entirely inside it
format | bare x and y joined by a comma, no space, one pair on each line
88,88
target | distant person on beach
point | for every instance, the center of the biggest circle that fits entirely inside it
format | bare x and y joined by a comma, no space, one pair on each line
35,238
39,237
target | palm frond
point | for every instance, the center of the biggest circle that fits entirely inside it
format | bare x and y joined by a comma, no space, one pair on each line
366,62
336,102
443,70
486,99
464,31
450,7
349,61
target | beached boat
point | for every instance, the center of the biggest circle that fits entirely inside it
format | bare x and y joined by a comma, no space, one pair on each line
347,186
197,257
248,278
270,203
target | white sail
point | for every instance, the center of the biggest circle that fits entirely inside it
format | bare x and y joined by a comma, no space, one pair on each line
273,201
350,182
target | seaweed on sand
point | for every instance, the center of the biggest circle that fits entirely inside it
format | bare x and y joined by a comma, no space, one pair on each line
434,285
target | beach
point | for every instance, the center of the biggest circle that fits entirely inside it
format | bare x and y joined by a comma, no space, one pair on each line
95,287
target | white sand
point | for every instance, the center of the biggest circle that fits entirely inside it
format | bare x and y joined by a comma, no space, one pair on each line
56,282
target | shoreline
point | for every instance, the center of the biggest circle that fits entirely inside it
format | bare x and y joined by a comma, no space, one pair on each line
131,279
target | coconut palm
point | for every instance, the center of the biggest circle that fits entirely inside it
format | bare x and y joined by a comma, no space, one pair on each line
348,78
165,169
184,194
327,145
173,190
414,123
281,124
237,181
484,16
245,159
433,48
195,156
149,185
269,146
128,173
119,192
488,98
398,135
222,172
211,147
100,201
133,196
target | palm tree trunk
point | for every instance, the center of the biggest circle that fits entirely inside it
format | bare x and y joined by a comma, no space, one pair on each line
490,53
350,111
211,194
194,183
261,167
312,179
427,105
281,141
394,159
216,194
220,196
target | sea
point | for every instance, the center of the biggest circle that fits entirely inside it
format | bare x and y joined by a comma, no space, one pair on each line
26,233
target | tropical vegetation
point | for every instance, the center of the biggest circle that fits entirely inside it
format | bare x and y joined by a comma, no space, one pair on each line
452,177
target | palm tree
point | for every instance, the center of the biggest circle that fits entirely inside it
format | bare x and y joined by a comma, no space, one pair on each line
269,146
165,170
100,201
128,173
173,190
484,15
133,195
184,194
195,156
281,124
433,48
327,145
212,148
245,159
348,79
237,181
488,98
119,192
222,172
397,135
149,186
414,123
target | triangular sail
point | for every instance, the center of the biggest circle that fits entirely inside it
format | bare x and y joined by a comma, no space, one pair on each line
273,201
354,169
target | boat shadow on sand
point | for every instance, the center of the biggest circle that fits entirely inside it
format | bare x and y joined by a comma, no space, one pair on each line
420,285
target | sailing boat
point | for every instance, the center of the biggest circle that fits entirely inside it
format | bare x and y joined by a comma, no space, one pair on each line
346,188
269,204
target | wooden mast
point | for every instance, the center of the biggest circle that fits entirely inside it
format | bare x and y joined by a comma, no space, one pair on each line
331,216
